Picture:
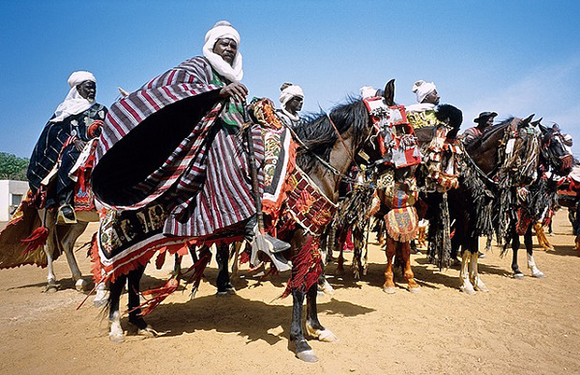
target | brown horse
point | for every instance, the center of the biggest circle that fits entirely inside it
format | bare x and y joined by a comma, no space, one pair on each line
330,143
505,157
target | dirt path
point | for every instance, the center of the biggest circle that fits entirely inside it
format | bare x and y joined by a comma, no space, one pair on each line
524,326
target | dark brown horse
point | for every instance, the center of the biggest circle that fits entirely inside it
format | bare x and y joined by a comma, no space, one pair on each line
504,158
330,145
540,196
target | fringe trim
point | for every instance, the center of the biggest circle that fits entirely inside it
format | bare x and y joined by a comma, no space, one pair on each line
306,267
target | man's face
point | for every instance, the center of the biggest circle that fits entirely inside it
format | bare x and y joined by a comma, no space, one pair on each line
294,105
227,49
432,97
489,122
88,90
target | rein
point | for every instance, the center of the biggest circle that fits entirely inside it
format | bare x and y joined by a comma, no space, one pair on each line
340,137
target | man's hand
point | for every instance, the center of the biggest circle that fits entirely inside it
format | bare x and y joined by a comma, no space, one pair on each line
79,145
236,90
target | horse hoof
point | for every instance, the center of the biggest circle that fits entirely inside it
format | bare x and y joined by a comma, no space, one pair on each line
51,288
518,275
389,289
307,356
482,288
81,285
415,289
117,339
468,290
327,336
147,332
223,294
539,275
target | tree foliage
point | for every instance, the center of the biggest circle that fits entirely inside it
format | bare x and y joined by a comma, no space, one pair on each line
12,167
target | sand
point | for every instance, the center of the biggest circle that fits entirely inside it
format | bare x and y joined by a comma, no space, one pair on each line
524,326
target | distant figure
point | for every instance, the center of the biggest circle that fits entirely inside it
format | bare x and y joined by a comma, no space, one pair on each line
77,120
483,121
422,114
291,98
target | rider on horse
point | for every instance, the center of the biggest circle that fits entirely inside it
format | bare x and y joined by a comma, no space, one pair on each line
75,122
291,98
484,121
170,153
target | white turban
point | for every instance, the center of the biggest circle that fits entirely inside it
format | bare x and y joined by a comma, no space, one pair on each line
422,89
74,103
79,77
290,92
220,30
368,92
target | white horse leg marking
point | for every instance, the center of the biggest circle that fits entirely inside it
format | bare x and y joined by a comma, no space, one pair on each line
101,296
532,266
466,286
116,331
474,274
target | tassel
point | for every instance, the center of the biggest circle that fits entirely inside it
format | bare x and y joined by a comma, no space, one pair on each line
157,296
36,239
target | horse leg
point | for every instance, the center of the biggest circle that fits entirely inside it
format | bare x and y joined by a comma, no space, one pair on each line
413,287
101,297
67,242
115,328
224,286
466,285
542,239
530,253
176,265
313,326
389,286
302,350
515,247
51,285
473,271
135,317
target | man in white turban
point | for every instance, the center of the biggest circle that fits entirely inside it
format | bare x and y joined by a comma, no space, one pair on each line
422,114
291,98
173,146
76,121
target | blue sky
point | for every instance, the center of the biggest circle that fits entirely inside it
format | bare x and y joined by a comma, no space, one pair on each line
511,57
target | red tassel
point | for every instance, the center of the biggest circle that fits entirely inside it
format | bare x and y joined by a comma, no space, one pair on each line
36,239
158,295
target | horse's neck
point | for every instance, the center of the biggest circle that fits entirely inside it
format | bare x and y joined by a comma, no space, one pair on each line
341,159
485,156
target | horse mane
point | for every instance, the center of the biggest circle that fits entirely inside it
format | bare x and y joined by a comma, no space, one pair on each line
319,136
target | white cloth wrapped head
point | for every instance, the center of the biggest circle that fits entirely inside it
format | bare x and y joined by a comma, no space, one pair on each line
76,78
290,92
221,30
422,89
74,103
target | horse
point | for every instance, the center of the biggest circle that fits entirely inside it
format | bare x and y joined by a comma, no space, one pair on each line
540,196
475,207
329,143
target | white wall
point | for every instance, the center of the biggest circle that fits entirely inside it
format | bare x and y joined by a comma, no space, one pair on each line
9,194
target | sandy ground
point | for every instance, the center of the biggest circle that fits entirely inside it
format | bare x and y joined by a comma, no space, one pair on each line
524,326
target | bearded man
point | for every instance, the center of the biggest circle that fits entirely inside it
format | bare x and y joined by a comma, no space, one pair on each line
76,121
174,144
291,98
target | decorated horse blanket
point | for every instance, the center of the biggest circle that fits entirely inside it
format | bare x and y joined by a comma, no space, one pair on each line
23,223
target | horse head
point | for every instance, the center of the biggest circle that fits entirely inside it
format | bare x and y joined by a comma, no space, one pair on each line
554,153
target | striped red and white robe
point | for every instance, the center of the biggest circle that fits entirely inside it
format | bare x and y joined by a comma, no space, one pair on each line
175,143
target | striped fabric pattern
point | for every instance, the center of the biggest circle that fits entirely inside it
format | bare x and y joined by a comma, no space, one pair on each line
205,182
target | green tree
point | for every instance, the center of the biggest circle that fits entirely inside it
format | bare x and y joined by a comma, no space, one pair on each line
12,167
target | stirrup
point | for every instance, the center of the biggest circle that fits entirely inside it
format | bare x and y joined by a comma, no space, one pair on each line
62,219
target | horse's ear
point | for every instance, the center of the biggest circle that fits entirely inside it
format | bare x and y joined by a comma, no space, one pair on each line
389,92
526,121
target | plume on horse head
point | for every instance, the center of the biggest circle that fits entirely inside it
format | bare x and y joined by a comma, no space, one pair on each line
450,115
